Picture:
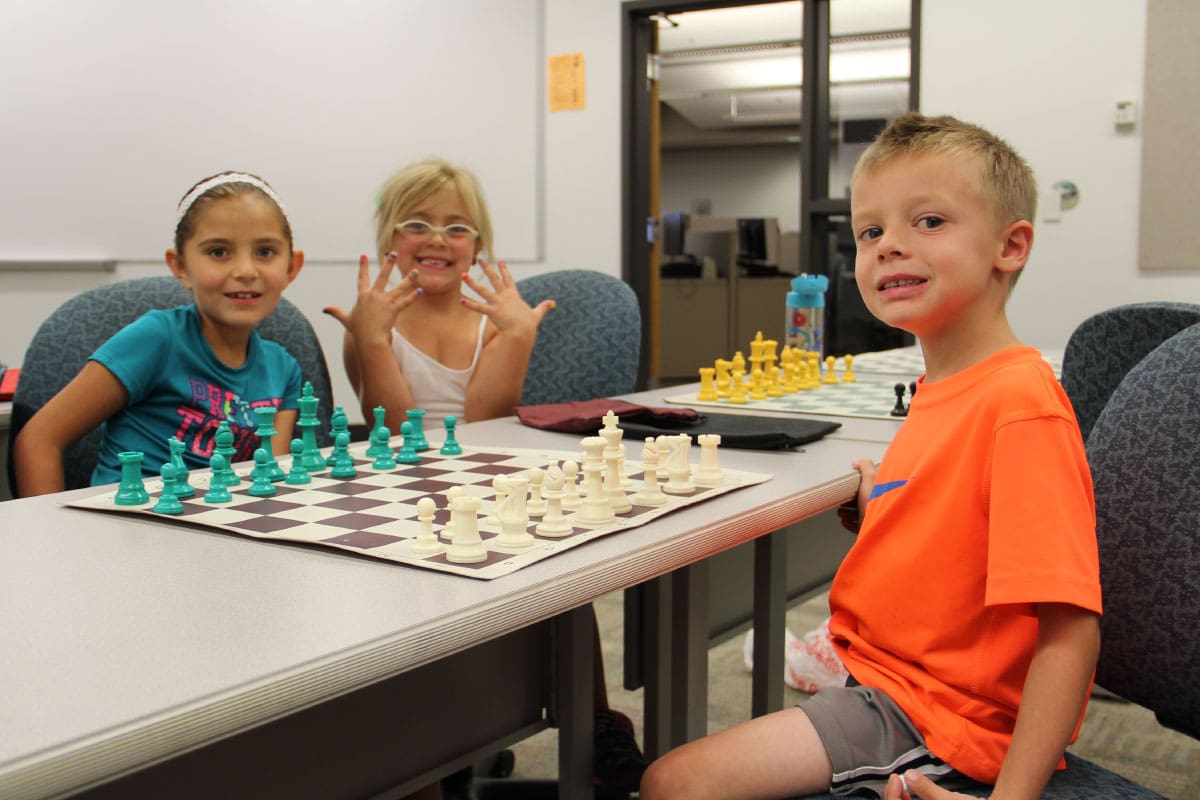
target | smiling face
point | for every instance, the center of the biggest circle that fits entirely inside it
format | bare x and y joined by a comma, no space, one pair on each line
439,261
236,262
931,257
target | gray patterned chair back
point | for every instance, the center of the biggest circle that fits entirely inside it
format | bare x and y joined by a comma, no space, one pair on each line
66,339
1142,452
1104,346
588,346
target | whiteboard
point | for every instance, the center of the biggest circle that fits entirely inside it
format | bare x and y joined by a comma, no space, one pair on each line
111,109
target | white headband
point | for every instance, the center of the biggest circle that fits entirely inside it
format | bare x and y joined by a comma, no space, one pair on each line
219,180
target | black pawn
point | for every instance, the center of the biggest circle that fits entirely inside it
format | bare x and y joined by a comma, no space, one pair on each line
899,410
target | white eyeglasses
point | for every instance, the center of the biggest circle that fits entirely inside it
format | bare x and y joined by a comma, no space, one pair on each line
422,230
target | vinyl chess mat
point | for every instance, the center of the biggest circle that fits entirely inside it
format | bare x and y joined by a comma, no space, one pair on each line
375,513
907,362
864,399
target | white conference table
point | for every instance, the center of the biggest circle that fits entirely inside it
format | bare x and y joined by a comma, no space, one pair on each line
142,659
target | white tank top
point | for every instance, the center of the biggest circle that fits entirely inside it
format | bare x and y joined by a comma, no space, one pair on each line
439,390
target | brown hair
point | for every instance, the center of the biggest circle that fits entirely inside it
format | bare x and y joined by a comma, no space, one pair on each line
185,228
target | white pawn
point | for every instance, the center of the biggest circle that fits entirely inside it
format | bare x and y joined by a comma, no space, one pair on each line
571,498
467,546
650,493
710,472
554,524
536,506
679,468
514,517
448,528
426,541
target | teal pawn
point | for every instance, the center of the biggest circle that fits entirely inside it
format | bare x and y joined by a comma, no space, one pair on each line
385,459
451,446
408,453
260,476
218,492
298,474
168,502
131,492
343,462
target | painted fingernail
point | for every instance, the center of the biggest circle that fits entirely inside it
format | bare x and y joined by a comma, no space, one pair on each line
392,256
420,291
553,304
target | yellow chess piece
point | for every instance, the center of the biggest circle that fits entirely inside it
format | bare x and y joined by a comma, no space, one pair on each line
814,370
848,376
758,384
830,376
803,383
737,387
708,384
775,382
722,367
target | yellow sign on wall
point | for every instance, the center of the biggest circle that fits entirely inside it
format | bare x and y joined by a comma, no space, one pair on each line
567,82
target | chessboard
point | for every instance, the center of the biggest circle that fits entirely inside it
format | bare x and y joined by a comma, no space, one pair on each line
377,512
864,399
908,363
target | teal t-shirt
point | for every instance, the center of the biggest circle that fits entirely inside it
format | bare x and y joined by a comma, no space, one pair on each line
179,389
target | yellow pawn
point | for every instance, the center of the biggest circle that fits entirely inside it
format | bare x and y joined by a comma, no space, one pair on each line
848,376
814,370
708,384
737,387
803,382
830,377
775,386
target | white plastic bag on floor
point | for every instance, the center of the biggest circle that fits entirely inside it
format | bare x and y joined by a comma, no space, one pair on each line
811,663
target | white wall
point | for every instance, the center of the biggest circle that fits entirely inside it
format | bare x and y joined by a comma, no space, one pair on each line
1024,70
1020,68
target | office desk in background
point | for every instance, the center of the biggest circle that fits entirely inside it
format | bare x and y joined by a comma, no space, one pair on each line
193,663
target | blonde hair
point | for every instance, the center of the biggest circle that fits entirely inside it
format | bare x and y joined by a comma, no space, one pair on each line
408,188
1004,179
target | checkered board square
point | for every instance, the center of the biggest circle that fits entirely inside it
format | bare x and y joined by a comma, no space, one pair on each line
866,399
375,513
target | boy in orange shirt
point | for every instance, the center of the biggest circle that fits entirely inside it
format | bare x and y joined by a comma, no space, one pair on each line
967,612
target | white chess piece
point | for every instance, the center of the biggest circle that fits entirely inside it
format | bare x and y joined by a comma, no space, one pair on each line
553,523
613,488
571,499
679,468
710,472
596,509
536,506
426,541
448,529
467,546
500,489
514,517
612,435
650,494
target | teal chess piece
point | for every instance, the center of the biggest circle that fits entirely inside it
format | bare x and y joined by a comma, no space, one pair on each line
417,417
183,487
338,423
168,501
265,432
375,448
408,453
385,459
217,492
298,474
224,443
260,476
451,446
308,424
343,462
131,491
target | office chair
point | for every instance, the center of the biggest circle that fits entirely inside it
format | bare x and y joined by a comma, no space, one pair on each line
66,339
1104,346
588,345
1147,482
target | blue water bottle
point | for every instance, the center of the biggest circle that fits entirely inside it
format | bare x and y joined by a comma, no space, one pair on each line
806,313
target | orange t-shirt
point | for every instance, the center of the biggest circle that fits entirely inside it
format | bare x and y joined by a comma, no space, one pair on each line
982,507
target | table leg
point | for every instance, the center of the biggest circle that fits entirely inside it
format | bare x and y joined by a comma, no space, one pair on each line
574,708
770,610
689,653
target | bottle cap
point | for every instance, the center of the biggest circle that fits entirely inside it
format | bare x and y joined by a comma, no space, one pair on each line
808,291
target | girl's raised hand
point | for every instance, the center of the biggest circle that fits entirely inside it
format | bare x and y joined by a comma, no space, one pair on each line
376,307
502,303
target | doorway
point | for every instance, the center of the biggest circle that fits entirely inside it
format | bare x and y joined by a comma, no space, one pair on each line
733,178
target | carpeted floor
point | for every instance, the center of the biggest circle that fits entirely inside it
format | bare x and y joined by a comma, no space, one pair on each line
1119,736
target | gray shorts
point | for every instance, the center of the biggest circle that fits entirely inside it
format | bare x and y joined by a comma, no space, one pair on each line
868,738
